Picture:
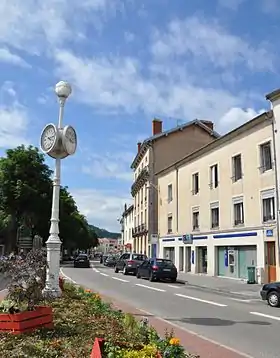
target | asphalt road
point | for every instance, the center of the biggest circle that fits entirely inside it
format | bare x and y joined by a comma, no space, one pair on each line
247,325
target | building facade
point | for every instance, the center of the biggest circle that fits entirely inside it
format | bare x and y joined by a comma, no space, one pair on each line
218,205
127,227
153,155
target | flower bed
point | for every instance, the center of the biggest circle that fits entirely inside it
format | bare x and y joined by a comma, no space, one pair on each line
79,317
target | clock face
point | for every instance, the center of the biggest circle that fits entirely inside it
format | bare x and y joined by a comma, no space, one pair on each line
48,138
70,140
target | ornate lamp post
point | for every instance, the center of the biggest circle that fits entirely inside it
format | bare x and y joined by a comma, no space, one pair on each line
58,142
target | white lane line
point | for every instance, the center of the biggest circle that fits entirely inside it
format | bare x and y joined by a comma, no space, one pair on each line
149,287
95,270
67,277
179,327
173,286
103,274
244,301
265,315
119,279
200,300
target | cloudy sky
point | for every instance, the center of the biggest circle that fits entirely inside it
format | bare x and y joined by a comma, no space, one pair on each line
129,61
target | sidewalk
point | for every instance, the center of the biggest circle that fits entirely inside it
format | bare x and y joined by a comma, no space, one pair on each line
192,342
220,284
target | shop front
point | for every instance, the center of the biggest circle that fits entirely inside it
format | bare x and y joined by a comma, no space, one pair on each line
233,261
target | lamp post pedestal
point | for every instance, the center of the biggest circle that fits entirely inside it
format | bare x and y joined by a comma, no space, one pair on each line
53,257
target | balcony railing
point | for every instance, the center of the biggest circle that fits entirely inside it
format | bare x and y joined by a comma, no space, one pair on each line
139,230
140,181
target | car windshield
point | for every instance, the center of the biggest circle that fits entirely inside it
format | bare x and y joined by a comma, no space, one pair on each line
139,257
164,263
82,257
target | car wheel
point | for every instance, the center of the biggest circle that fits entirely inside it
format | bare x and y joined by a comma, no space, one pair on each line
124,270
138,274
173,280
273,299
151,278
116,270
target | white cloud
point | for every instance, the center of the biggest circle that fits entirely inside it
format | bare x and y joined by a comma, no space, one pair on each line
7,56
33,25
237,116
110,165
119,83
101,208
13,118
209,42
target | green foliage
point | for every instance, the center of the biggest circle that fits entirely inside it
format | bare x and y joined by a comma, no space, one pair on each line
26,196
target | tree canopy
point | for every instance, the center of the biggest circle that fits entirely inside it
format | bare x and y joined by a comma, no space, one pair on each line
25,198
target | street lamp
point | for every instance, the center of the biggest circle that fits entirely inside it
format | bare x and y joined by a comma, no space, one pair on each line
58,142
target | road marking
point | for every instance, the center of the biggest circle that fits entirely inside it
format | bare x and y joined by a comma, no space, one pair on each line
67,277
103,274
200,300
119,279
151,288
175,325
244,301
173,286
95,270
265,315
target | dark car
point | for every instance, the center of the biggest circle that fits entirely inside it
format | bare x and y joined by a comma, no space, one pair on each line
270,292
82,260
103,258
128,263
157,269
111,261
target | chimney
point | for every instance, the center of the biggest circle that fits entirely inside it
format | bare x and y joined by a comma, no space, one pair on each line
157,126
209,124
139,146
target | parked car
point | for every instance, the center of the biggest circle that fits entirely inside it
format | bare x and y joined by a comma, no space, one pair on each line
128,263
157,269
111,261
270,292
82,260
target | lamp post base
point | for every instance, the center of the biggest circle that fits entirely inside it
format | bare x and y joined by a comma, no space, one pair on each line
52,288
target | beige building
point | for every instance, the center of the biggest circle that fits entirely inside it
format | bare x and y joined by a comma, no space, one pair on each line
127,222
154,154
218,206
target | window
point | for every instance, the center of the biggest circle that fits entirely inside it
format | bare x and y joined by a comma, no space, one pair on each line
215,213
266,159
238,212
236,168
195,220
169,189
195,183
268,206
214,176
169,224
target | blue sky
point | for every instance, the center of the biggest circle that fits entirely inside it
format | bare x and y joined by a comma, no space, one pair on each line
129,61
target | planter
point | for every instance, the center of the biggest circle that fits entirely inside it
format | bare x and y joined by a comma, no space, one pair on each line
98,349
26,321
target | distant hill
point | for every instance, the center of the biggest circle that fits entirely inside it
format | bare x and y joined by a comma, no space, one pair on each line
104,233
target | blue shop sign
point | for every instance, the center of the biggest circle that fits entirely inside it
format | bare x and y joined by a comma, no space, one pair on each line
269,233
187,239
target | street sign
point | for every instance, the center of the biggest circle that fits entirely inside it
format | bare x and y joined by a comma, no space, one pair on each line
187,239
154,239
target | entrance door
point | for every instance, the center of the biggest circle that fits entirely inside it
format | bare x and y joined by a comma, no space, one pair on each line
181,258
202,259
187,267
232,263
271,261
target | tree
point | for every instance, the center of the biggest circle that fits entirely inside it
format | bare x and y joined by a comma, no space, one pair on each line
25,190
26,195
